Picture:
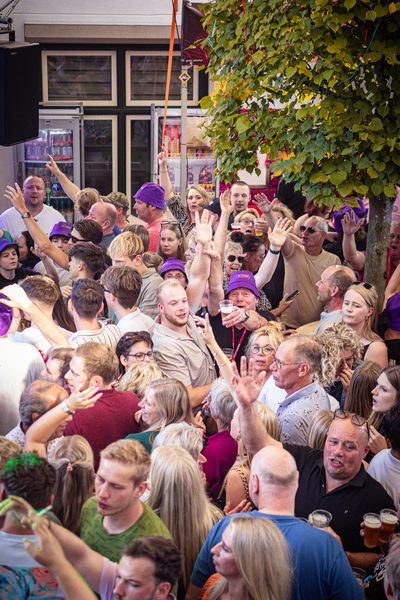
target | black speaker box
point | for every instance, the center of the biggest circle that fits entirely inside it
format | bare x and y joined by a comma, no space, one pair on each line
19,92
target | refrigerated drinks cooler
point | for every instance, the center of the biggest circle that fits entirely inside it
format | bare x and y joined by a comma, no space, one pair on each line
59,136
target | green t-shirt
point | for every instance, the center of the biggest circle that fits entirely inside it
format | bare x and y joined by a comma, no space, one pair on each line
146,438
112,544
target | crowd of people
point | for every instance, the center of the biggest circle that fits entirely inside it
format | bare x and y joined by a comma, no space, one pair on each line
182,390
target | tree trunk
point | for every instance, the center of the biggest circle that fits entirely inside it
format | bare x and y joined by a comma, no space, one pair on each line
376,260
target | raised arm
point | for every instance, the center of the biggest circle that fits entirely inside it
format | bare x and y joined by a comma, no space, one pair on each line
88,562
200,269
39,433
39,236
223,362
266,207
393,285
222,229
355,258
47,262
277,237
215,284
69,188
165,181
247,389
51,331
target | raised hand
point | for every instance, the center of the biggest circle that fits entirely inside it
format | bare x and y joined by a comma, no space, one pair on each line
84,398
203,230
162,159
376,441
247,387
17,297
207,333
263,203
349,224
16,197
52,166
211,251
226,202
277,237
38,252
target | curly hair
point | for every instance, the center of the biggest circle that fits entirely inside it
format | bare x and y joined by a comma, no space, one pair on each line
333,340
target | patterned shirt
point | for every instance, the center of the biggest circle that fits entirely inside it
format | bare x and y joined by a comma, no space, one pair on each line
177,208
296,411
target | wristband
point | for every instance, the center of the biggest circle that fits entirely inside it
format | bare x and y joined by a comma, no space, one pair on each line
66,408
274,251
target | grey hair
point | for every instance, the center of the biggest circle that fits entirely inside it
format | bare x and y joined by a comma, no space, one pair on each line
34,400
223,404
233,246
322,225
307,350
392,573
188,437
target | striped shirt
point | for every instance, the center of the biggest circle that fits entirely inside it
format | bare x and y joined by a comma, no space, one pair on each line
107,334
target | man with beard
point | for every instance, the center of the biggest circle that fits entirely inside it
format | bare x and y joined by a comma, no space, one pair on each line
334,283
182,352
113,416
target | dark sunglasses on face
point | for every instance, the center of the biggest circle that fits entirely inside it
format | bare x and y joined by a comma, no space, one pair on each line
75,240
303,228
232,258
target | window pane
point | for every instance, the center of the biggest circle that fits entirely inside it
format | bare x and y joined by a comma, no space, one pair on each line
98,155
140,154
79,77
149,78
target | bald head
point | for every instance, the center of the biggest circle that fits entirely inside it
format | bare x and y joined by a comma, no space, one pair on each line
275,467
105,214
340,277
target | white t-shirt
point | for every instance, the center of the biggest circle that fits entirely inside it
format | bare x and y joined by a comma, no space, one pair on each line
107,334
136,321
62,273
12,221
271,395
33,336
385,468
20,364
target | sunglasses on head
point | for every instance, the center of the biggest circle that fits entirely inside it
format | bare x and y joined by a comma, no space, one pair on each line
232,258
303,228
355,419
367,286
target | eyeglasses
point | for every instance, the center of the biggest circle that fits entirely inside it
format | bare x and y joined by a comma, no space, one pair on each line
232,258
279,364
265,350
247,221
347,361
140,355
355,419
303,228
367,286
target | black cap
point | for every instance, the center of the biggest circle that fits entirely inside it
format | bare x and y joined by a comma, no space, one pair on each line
214,207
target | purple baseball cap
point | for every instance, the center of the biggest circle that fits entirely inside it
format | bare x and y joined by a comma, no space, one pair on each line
151,193
61,228
5,316
359,213
172,264
4,242
242,279
393,311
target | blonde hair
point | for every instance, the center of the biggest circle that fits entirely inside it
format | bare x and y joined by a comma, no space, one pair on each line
178,497
332,341
172,400
271,424
167,283
370,297
187,436
130,453
233,246
99,360
251,211
151,260
138,377
273,330
203,194
73,461
318,429
284,211
263,560
126,244
8,449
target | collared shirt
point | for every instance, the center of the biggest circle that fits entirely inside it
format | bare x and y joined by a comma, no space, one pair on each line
296,411
147,300
184,357
335,316
347,503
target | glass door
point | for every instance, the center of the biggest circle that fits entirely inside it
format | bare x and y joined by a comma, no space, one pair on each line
100,143
138,153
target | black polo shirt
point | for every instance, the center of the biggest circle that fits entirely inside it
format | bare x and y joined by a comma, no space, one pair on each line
347,503
226,339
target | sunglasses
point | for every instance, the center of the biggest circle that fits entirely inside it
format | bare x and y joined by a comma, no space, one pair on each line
303,228
367,286
232,258
355,419
75,240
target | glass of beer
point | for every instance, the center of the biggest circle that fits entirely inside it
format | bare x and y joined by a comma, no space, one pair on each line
320,518
359,574
256,221
372,523
226,306
389,524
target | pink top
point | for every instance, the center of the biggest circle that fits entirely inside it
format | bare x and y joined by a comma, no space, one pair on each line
154,231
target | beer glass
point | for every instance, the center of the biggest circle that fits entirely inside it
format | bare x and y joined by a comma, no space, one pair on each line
320,518
372,523
389,524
